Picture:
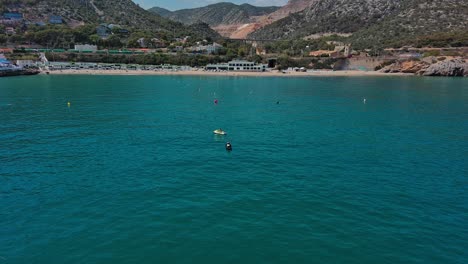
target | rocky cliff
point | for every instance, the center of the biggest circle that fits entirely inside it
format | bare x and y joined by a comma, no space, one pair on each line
234,21
292,7
430,66
454,67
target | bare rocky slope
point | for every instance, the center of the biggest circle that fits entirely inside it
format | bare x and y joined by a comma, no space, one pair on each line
292,7
234,21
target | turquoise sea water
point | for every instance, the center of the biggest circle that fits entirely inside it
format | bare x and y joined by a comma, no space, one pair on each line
132,173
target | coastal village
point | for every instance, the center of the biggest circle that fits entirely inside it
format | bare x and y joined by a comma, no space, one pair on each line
336,56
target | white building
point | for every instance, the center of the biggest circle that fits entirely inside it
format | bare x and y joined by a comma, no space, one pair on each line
25,63
207,49
237,65
211,49
86,47
142,42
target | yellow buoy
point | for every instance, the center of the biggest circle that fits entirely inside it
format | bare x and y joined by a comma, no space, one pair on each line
69,104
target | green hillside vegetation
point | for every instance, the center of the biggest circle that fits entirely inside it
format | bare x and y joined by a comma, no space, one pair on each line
160,11
300,47
64,37
216,14
122,12
143,59
379,22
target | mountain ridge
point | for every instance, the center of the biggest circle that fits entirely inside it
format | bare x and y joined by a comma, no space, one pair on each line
291,7
231,20
80,12
371,21
223,13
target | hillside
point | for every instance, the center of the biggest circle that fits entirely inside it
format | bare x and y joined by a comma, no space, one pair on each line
241,31
293,6
216,14
234,21
79,12
371,21
160,11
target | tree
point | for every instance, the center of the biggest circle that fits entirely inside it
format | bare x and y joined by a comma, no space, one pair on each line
82,34
256,58
94,38
3,38
113,42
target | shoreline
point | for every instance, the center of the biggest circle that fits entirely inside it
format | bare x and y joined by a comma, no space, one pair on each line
240,74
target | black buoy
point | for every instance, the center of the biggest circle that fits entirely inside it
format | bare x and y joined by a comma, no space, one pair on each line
228,146
277,102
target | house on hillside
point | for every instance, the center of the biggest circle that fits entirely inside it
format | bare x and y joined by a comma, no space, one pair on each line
206,49
157,43
117,29
40,24
123,31
142,42
55,20
215,47
10,31
103,31
11,18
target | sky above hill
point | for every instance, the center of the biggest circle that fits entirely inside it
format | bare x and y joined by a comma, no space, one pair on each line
181,4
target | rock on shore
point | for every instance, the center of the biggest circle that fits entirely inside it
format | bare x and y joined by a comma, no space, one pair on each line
454,67
430,67
411,66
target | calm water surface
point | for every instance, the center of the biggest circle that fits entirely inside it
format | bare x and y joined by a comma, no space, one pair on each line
132,173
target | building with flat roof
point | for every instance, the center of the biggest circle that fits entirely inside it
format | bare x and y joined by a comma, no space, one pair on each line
11,19
86,47
56,20
103,31
13,16
237,65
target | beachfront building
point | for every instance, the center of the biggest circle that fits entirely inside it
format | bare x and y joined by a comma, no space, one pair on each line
25,63
72,66
237,65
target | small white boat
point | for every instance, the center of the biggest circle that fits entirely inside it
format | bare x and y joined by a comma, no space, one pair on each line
220,132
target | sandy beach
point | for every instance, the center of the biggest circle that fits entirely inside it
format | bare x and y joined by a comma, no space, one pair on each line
208,73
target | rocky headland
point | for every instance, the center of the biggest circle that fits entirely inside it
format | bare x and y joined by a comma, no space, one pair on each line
430,66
